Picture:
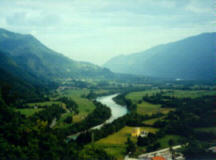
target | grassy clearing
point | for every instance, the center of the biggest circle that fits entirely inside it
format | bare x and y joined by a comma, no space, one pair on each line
85,107
137,96
121,136
47,103
28,111
148,108
115,144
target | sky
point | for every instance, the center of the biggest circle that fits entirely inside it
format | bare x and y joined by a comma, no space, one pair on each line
97,30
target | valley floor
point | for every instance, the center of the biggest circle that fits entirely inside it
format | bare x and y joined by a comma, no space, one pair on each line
115,144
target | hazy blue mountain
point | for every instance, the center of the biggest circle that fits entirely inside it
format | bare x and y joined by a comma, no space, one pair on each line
35,58
193,58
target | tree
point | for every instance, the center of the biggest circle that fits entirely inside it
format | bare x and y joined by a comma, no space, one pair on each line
68,119
142,141
131,147
95,153
171,143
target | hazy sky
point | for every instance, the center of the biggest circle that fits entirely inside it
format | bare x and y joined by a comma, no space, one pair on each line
96,30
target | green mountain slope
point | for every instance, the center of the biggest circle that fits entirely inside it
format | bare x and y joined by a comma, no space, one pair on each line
34,57
192,58
19,83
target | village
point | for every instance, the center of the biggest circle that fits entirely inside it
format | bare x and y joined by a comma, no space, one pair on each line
163,154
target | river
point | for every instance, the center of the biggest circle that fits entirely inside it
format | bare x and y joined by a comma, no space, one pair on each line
116,111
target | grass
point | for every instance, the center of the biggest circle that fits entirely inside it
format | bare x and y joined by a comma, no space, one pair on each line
152,121
191,94
28,111
135,97
85,106
115,144
148,108
164,141
47,103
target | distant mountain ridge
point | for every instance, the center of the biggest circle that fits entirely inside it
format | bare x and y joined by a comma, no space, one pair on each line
193,58
34,57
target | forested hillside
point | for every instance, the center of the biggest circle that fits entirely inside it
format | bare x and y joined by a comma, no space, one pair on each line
34,57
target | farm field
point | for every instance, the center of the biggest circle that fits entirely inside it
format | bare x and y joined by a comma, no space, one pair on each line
149,109
135,97
115,144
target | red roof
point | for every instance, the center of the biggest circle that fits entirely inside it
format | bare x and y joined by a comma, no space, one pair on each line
158,158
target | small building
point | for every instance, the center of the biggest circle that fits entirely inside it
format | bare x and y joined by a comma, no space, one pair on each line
143,134
136,132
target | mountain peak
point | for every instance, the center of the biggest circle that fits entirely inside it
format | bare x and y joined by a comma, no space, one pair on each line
192,58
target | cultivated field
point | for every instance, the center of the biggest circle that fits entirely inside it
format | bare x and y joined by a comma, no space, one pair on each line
115,144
